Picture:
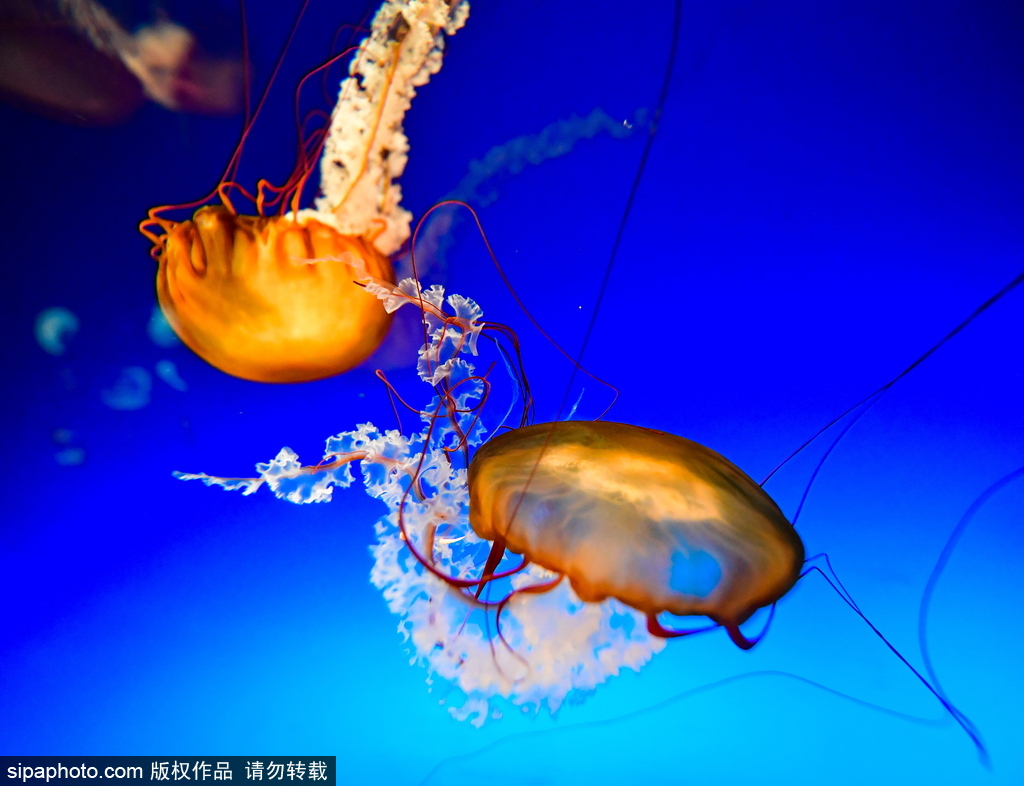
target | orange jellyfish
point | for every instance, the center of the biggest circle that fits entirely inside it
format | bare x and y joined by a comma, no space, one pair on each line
657,521
273,298
74,61
615,524
270,299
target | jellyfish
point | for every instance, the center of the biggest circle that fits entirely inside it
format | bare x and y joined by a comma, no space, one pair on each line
54,328
530,563
131,390
582,601
614,523
74,61
272,298
657,521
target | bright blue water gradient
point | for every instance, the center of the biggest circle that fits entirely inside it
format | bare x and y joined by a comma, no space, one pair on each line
833,187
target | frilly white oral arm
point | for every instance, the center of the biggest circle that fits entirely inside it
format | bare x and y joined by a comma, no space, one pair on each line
366,148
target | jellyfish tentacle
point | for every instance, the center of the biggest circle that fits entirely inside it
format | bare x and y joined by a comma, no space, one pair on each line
493,559
742,641
655,628
940,566
737,637
515,297
962,720
872,398
311,144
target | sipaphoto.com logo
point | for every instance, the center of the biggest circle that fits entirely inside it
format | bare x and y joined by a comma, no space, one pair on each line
61,771
197,770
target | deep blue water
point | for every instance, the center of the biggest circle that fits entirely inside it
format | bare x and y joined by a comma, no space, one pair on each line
833,187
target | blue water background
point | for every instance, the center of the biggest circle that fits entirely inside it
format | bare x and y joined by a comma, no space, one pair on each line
833,187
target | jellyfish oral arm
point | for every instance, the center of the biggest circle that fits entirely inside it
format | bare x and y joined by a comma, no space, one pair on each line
287,478
448,335
366,149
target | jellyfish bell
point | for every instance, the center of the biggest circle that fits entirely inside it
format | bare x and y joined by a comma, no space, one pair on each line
271,298
656,521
